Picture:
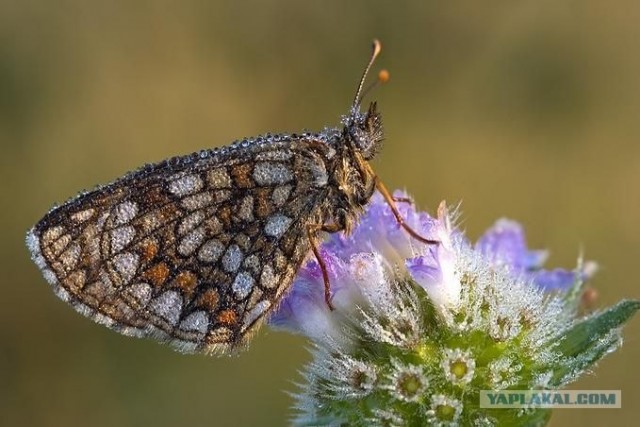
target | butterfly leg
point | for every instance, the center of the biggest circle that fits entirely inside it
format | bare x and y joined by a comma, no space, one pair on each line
391,202
408,200
312,234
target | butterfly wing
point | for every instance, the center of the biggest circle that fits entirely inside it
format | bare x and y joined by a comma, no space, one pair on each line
194,250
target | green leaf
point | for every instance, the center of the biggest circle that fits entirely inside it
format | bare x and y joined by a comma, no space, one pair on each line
587,332
591,339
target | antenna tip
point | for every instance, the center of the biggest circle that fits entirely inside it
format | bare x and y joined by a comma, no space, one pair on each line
383,76
377,47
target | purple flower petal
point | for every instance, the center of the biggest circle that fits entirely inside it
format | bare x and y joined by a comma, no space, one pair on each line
505,244
552,280
423,269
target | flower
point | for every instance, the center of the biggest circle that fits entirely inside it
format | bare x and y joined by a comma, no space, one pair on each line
418,330
504,244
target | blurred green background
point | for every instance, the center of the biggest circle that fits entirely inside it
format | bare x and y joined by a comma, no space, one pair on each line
526,109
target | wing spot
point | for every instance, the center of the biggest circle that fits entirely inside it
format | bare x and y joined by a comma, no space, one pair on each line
52,234
99,290
263,206
252,262
271,173
197,201
211,251
125,212
224,215
241,176
187,281
245,212
121,237
185,185
70,256
191,242
157,274
190,222
212,226
276,225
149,249
227,317
209,299
243,241
219,178
60,245
197,321
82,216
242,285
117,311
126,264
268,279
76,281
280,195
222,196
232,258
317,171
141,292
168,306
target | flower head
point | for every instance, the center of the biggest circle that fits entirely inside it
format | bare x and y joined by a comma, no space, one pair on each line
418,330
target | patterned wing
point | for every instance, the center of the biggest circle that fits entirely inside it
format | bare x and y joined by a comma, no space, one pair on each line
194,250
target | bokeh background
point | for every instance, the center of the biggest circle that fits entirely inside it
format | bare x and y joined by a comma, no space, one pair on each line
527,109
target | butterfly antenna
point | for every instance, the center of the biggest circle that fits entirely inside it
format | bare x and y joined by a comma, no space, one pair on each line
377,47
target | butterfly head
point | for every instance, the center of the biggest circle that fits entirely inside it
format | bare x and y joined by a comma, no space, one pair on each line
364,130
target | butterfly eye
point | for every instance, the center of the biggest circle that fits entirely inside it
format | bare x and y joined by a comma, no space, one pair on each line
367,134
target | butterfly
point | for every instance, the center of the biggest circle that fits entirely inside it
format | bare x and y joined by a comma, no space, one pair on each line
198,249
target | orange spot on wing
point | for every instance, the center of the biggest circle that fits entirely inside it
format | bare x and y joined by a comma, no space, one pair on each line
209,299
228,317
263,204
149,249
242,175
187,281
157,274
